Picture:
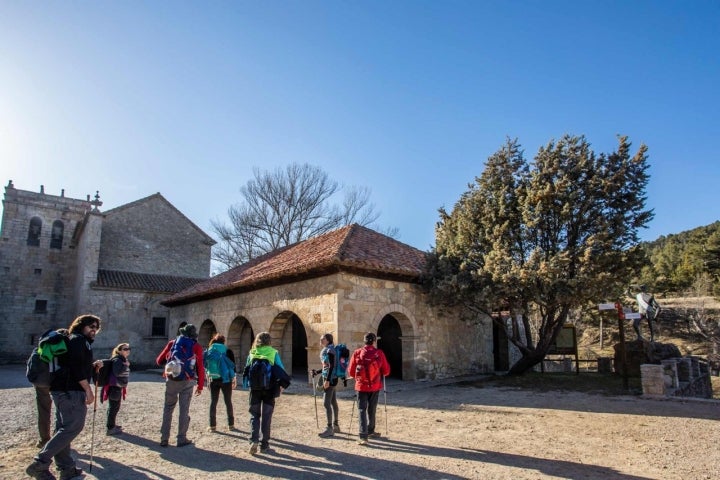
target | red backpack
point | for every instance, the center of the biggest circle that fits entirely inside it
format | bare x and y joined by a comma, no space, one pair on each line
367,367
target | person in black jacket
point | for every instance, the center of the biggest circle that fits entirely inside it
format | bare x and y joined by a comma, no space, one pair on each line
71,394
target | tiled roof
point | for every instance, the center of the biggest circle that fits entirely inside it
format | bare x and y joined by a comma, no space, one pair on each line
353,248
144,281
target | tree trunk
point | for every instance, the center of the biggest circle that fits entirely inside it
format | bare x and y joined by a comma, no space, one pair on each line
526,362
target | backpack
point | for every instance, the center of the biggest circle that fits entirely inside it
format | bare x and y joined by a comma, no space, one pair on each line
37,370
342,358
181,359
367,370
219,366
259,374
102,377
44,361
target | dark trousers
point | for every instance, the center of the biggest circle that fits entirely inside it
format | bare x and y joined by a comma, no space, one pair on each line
216,386
70,411
44,407
262,404
114,399
367,406
331,406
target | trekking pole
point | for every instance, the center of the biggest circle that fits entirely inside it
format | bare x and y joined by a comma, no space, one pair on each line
92,435
311,381
352,411
385,395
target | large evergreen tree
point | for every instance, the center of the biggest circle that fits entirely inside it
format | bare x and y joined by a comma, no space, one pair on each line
541,238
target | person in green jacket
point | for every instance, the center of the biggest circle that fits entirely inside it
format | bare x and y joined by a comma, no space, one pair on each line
261,400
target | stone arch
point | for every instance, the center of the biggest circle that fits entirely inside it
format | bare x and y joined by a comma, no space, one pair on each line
239,340
56,235
206,332
290,338
34,230
396,333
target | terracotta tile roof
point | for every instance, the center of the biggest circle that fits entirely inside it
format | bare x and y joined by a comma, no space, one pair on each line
144,281
352,248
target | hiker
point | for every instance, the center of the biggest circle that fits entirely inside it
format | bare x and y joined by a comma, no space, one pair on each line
115,388
41,383
220,366
368,366
649,309
71,394
329,381
265,376
183,360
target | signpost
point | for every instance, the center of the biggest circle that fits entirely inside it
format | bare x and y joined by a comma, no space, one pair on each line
622,316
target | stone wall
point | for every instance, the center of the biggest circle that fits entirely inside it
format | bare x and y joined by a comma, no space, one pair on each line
347,305
679,377
151,236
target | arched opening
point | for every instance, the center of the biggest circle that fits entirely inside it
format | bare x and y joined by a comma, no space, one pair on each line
389,334
289,331
56,236
207,330
239,340
34,229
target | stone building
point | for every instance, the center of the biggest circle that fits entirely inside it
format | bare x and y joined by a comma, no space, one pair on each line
347,282
60,257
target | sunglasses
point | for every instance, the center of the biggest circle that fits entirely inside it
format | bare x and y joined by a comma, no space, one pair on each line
94,327
127,349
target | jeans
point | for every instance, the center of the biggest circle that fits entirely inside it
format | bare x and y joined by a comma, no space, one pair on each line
262,404
70,412
175,391
227,389
44,407
367,406
331,406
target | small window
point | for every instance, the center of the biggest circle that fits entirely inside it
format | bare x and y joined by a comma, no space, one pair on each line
56,237
33,239
158,327
38,271
40,306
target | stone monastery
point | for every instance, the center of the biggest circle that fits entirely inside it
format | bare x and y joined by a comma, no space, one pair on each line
143,268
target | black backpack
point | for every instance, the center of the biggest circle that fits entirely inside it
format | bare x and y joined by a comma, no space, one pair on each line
260,374
38,371
102,377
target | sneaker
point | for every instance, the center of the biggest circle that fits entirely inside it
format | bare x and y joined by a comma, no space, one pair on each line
39,471
253,448
212,429
265,449
116,430
72,472
163,443
336,428
374,434
363,441
328,432
184,443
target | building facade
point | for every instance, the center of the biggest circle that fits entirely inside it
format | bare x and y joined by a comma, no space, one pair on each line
61,257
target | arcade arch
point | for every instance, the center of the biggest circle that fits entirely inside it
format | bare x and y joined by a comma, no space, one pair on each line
239,339
206,332
396,338
289,331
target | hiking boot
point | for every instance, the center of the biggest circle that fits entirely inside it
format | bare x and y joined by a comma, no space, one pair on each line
116,430
264,448
363,441
374,434
212,429
336,428
231,428
40,471
253,448
163,443
183,443
72,472
328,432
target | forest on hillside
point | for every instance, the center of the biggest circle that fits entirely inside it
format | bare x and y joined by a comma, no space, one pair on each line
684,264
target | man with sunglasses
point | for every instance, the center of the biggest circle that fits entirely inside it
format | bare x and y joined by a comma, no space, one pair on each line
71,394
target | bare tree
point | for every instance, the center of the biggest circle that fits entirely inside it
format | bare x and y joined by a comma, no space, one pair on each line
699,317
286,206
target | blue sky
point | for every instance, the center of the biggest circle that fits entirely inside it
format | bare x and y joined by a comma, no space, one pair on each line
408,98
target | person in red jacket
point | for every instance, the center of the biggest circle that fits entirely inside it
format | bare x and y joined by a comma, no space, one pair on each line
179,386
368,366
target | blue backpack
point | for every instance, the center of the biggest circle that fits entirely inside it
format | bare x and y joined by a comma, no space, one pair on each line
219,366
342,358
181,360
259,374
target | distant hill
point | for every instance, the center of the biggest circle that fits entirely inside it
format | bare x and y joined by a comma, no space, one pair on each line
676,261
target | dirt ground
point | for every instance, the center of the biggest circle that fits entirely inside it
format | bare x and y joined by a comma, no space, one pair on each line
432,430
